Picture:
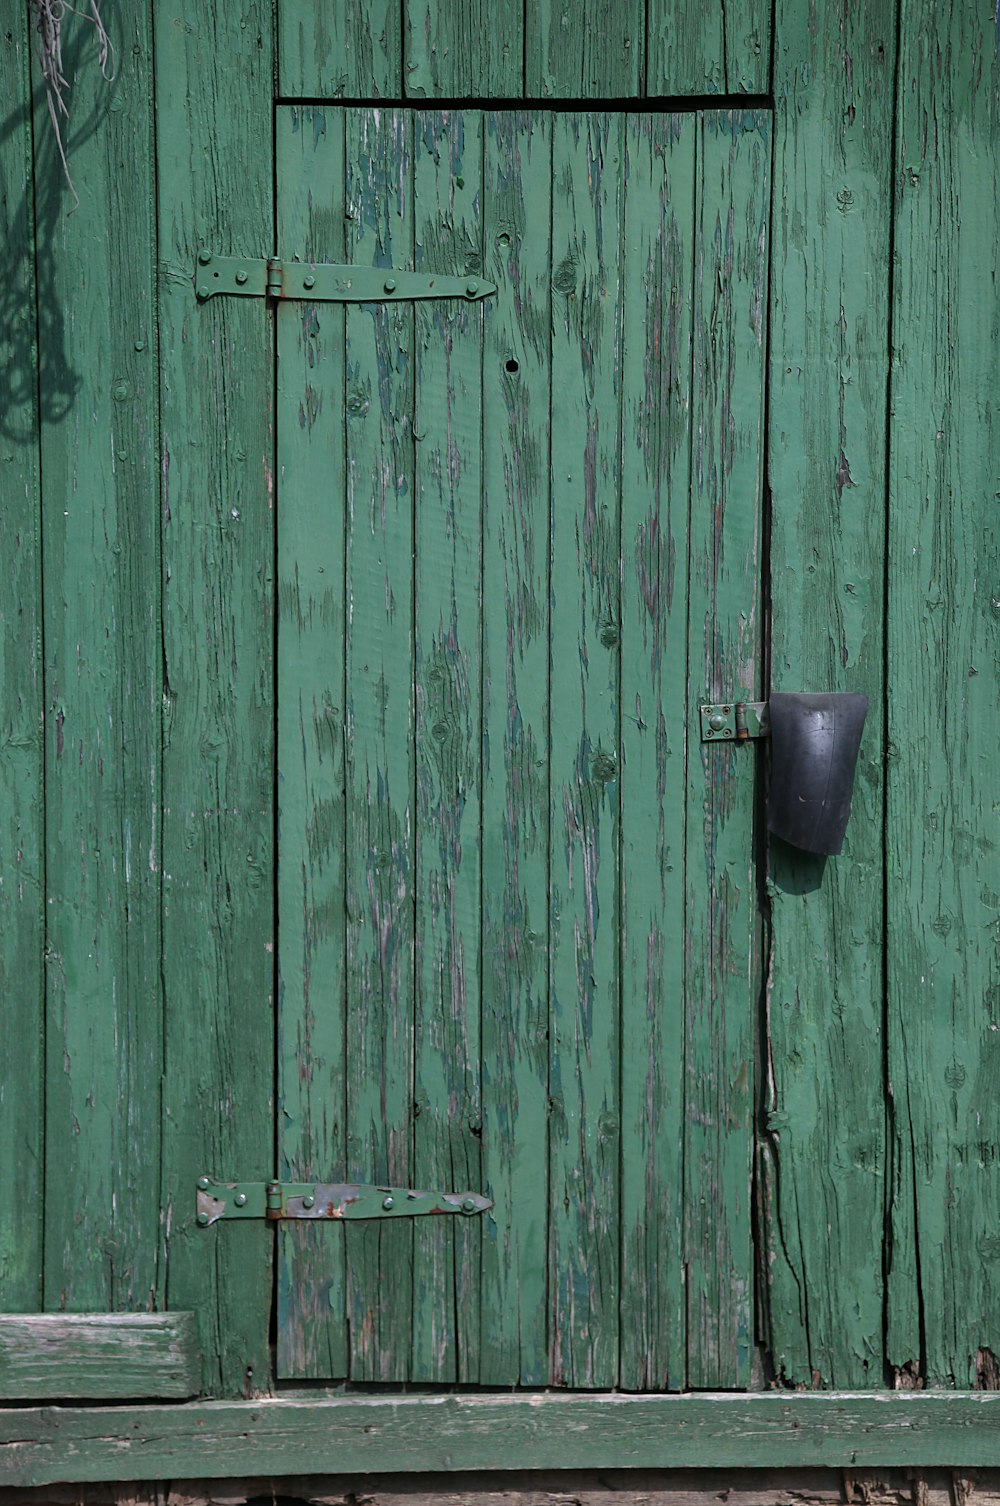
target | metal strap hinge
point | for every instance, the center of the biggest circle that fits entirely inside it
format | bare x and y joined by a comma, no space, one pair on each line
736,721
277,1201
257,277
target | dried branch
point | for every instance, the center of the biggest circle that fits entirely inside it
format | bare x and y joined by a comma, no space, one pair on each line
48,16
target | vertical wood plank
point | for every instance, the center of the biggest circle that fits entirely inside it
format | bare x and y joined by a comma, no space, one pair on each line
823,1153
448,231
658,274
944,726
574,51
456,48
380,882
215,177
722,932
22,831
694,48
312,1328
585,471
340,49
102,672
517,388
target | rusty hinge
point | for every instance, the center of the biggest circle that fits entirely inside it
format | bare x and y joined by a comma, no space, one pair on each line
277,1201
734,722
257,277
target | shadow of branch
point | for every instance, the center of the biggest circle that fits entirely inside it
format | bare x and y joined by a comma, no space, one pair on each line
37,377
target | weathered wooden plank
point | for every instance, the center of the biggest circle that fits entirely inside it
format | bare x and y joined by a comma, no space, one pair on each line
448,616
585,479
215,190
447,1433
944,556
102,679
656,448
457,48
722,962
593,51
515,648
693,48
380,884
340,49
99,1356
823,1151
312,1002
22,833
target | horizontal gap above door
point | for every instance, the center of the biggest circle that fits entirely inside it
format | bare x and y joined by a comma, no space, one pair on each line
648,104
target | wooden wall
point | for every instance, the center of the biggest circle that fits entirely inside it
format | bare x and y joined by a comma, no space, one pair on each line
136,699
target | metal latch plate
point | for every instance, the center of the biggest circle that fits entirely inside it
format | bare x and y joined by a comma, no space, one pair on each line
734,722
278,1201
254,277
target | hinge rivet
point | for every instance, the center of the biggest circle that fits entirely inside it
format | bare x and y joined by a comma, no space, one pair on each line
204,257
309,282
387,1203
241,277
469,1205
203,1183
390,285
472,289
240,1200
308,1200
203,1219
202,292
717,721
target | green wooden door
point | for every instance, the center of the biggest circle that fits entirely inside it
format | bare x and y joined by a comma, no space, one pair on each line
519,542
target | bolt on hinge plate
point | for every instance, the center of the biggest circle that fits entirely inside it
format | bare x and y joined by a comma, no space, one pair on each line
735,722
277,1201
256,277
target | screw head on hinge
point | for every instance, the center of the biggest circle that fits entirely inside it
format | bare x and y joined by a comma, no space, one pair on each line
203,1184
240,1200
204,256
202,1219
469,1205
717,721
308,1201
387,1203
390,285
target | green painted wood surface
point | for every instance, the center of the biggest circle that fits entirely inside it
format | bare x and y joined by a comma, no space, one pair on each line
100,557
454,49
448,625
311,811
464,47
501,1018
381,774
585,633
99,1356
517,385
708,49
822,1153
589,52
22,831
212,1440
339,49
215,179
943,874
656,472
721,926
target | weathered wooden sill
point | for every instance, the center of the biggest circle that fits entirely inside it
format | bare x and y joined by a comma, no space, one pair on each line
530,1431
